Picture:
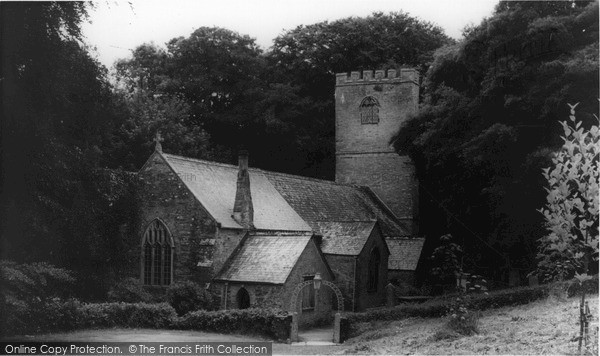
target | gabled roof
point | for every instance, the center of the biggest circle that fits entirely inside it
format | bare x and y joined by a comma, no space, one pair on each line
404,253
264,259
317,200
344,238
214,185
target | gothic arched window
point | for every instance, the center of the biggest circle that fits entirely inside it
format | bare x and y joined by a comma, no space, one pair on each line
157,255
373,277
369,111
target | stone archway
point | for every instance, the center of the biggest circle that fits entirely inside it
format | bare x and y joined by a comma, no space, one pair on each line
293,307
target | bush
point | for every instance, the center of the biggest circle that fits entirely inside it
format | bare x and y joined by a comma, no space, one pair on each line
186,297
439,307
134,315
268,322
129,290
462,320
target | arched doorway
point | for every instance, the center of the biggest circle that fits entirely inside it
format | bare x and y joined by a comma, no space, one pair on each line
337,317
243,298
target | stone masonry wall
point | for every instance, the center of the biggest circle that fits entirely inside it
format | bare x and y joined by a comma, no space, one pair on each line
366,299
389,175
162,195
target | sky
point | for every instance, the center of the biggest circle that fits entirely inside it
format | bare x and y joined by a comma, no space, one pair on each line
117,27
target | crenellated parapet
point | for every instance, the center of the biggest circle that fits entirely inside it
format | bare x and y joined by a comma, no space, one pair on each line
378,76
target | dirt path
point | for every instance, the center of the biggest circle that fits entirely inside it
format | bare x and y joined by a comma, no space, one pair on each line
152,335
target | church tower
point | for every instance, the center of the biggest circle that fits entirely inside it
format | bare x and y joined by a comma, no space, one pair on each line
369,110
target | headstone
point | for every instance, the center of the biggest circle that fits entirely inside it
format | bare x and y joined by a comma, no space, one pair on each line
390,295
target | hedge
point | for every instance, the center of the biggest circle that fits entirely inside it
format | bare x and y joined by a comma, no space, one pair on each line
56,315
268,322
438,307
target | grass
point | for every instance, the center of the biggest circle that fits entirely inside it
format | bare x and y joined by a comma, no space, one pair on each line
549,326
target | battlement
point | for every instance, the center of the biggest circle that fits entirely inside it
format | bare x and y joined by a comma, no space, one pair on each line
378,76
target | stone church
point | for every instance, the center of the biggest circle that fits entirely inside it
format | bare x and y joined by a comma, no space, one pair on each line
251,236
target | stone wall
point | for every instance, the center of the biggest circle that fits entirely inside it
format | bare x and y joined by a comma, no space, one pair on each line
364,298
389,175
163,195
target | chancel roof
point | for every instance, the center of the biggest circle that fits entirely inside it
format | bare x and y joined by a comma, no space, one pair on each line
344,237
265,259
404,253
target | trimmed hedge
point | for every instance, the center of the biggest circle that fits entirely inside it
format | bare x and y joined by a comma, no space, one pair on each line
57,315
268,322
132,315
438,307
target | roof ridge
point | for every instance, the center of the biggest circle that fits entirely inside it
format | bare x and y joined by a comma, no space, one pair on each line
311,179
202,161
227,165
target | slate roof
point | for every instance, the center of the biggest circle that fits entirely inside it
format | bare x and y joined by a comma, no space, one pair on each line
214,185
404,253
265,259
318,200
344,238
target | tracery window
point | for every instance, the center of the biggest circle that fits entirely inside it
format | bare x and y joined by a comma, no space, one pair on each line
373,277
369,111
157,255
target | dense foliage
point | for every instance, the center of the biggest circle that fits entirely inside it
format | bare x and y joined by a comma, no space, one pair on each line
215,91
188,296
571,209
58,202
487,126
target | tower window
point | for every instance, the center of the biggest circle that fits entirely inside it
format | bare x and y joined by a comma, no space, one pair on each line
157,255
369,111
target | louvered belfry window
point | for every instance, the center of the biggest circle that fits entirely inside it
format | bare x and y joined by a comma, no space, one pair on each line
369,111
157,255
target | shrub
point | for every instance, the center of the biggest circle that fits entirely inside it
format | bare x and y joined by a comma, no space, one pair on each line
571,210
129,290
134,315
268,322
461,319
189,296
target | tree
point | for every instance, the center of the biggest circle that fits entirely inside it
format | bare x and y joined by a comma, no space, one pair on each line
487,125
446,261
306,59
571,210
58,122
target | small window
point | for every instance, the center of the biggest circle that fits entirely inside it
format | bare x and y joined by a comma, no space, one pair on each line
243,298
373,278
308,295
369,111
157,255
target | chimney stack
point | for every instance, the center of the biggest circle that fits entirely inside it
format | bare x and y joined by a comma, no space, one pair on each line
243,211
